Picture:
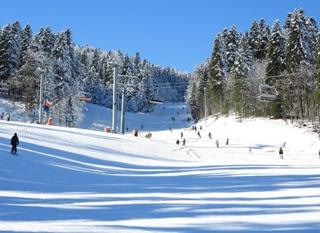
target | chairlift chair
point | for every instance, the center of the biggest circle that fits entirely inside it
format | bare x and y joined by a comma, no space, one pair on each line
155,101
268,93
86,97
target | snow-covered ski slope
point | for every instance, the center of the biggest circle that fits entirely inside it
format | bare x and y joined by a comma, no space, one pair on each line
76,180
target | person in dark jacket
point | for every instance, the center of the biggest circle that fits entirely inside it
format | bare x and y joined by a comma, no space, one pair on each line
281,153
14,143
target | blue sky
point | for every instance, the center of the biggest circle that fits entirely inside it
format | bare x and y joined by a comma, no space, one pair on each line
176,33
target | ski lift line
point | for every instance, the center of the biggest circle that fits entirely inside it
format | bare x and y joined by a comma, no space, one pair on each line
127,76
158,87
155,86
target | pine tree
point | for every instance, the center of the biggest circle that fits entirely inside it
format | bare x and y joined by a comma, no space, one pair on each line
300,58
17,42
10,50
242,64
193,101
317,74
26,82
26,38
47,41
258,39
107,67
231,41
298,45
70,113
276,51
217,73
276,61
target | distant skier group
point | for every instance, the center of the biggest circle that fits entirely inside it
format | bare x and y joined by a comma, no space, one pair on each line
4,116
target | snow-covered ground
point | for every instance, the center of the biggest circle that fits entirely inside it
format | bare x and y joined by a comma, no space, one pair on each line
78,180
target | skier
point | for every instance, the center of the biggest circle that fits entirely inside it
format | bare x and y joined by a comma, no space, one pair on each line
209,135
181,135
177,142
14,143
8,116
217,143
199,134
170,129
2,115
184,142
281,153
227,142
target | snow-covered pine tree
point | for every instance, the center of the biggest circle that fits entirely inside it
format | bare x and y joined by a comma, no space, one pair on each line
276,63
276,51
317,76
107,68
259,34
47,41
192,100
242,64
26,38
217,69
25,85
231,41
17,42
10,50
70,113
297,46
300,58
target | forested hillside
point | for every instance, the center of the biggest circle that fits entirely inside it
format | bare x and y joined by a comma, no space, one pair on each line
69,71
282,61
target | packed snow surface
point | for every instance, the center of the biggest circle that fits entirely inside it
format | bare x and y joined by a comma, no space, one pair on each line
79,180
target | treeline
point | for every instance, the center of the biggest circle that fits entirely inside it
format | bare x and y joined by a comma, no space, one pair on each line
70,71
284,57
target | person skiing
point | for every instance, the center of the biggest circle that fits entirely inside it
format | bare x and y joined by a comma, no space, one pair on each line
181,135
184,142
199,134
281,153
227,142
217,143
209,135
170,129
14,143
177,142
